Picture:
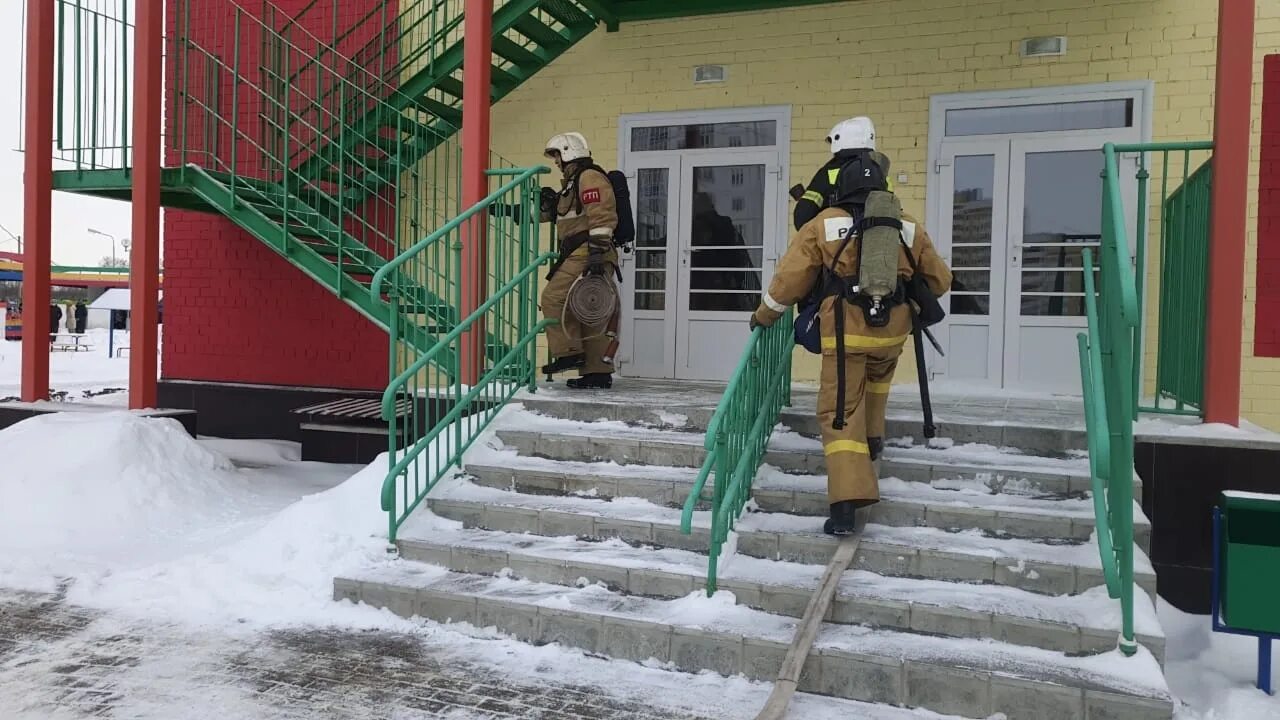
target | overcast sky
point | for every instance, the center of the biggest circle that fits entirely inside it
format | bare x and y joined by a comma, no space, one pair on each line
72,215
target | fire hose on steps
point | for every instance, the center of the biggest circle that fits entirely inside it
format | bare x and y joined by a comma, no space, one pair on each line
775,708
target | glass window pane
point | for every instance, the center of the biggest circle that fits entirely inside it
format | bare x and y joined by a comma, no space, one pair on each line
1051,117
727,232
651,259
651,215
651,300
1056,257
651,280
727,258
1053,305
971,256
1069,281
974,183
971,280
731,302
759,133
970,304
1062,204
725,280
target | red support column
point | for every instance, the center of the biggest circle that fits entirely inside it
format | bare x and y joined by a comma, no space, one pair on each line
37,199
476,59
144,255
1233,108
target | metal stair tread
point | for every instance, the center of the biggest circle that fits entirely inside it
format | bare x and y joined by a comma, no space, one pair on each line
1090,610
1141,674
971,543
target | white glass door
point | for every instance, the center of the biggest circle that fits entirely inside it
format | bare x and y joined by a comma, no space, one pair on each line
1055,203
728,220
973,239
649,272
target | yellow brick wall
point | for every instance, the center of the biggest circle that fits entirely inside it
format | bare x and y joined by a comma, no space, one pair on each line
886,58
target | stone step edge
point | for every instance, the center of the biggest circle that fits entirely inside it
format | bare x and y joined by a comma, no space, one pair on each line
698,417
673,581
830,669
901,510
685,440
658,449
890,559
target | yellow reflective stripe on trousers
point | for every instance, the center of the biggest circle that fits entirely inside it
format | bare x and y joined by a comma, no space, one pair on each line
878,388
864,342
839,446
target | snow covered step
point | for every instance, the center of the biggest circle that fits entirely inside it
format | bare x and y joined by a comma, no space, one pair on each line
1087,623
967,556
1034,432
966,677
961,505
592,442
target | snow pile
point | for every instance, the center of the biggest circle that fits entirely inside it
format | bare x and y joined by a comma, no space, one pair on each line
281,573
82,481
1213,673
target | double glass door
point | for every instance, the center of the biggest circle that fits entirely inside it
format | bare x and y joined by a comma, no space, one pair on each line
1017,215
707,225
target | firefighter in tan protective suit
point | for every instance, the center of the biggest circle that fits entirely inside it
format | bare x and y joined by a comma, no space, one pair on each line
585,214
852,439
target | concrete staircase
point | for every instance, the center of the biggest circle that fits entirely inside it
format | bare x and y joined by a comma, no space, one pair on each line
976,589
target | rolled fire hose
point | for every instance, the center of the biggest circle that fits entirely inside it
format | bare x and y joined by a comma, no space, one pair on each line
593,300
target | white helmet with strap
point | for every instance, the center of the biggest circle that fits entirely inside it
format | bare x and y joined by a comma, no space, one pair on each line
852,134
571,146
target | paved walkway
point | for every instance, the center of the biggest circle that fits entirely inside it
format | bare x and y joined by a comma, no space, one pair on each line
60,661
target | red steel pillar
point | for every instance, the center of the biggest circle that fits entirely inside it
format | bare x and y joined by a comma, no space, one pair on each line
144,255
476,58
1233,108
37,199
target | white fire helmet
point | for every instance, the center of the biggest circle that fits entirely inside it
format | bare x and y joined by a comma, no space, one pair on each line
852,134
571,146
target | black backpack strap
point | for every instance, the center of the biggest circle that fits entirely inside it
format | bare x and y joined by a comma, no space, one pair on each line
841,381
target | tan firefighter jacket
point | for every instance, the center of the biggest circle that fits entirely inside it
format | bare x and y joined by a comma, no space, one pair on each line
813,247
592,209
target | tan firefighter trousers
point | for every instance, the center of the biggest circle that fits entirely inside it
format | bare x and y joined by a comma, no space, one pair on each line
850,473
566,337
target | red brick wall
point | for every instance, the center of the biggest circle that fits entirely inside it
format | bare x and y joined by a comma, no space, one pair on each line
235,311
1266,334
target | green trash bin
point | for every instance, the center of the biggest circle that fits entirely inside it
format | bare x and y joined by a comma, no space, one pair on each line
1250,561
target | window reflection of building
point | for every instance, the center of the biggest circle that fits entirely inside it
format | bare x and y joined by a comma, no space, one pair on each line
971,220
728,220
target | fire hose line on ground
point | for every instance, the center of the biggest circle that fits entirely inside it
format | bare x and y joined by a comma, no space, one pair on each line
775,708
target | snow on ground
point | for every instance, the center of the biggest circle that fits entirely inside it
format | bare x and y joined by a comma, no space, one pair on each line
218,546
1212,673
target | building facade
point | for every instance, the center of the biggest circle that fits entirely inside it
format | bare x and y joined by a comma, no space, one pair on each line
996,152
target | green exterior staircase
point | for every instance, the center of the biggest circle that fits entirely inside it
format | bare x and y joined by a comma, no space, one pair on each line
337,156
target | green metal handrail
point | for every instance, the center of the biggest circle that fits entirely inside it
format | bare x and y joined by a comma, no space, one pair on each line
1111,352
739,433
423,447
1183,269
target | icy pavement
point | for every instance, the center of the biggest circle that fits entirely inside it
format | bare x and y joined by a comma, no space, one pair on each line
57,660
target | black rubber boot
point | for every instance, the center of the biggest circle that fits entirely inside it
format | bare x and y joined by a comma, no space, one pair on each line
568,362
841,521
876,446
591,381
